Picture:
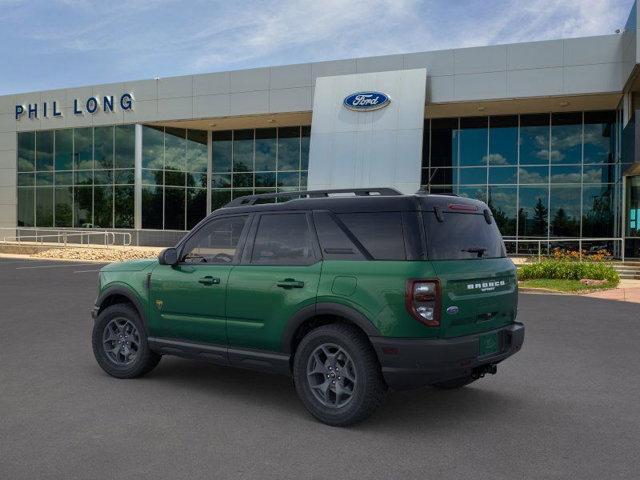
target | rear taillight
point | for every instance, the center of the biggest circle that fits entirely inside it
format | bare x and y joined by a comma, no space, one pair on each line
422,300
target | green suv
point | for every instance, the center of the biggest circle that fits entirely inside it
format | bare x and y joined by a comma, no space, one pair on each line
349,292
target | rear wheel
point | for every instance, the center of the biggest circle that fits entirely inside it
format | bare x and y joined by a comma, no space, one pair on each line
455,383
337,375
120,343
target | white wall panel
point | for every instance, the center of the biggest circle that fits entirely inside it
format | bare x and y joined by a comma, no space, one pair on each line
535,55
291,76
211,83
361,149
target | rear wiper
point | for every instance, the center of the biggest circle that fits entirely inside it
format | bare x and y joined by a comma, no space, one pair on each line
480,251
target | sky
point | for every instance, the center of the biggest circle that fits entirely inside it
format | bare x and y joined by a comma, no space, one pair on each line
48,44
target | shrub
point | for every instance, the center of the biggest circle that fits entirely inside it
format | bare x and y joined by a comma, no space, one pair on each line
568,270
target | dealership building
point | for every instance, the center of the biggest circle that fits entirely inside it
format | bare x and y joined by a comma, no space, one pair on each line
544,132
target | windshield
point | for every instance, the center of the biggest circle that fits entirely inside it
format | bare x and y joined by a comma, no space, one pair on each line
462,236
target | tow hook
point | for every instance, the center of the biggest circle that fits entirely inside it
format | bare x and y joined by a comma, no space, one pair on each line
480,372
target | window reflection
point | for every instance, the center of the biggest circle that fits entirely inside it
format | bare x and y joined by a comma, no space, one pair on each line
266,146
479,193
74,180
103,147
571,174
502,201
503,175
473,141
566,138
534,139
598,137
63,159
533,175
266,160
83,148
243,150
564,211
172,194
44,150
26,151
221,151
533,211
503,140
597,211
472,176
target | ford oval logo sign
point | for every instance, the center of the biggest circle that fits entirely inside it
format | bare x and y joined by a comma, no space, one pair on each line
366,101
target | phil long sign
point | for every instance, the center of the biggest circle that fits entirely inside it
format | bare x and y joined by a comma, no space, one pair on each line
52,109
366,101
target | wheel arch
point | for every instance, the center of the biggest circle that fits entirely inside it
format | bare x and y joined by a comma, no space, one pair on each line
312,316
116,294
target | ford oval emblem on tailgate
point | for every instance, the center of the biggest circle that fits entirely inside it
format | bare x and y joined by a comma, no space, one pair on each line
452,310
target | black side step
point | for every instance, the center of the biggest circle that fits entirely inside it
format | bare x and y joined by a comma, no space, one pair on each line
271,362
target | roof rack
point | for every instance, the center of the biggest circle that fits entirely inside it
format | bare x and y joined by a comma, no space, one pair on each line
358,192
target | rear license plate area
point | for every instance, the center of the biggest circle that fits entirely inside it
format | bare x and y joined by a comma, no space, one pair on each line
488,344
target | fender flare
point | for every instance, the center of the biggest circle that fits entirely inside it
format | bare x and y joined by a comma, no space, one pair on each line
326,308
129,294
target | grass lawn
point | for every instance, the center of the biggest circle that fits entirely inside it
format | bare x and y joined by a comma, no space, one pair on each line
562,285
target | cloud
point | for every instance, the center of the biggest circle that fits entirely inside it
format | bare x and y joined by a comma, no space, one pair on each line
494,159
532,176
116,40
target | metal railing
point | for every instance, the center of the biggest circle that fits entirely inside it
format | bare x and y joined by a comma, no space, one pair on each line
545,246
82,238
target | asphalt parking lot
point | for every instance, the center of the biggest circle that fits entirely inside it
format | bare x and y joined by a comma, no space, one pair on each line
567,406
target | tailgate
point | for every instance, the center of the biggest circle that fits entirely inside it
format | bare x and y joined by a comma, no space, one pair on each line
476,295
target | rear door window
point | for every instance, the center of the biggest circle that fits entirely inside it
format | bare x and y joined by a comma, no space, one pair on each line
283,239
462,236
380,233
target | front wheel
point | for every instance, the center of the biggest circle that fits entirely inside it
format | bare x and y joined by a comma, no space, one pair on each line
337,375
120,343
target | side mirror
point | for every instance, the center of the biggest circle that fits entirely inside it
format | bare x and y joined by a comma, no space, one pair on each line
168,256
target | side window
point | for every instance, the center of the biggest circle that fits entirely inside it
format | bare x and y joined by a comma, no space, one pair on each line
216,242
379,232
334,242
283,239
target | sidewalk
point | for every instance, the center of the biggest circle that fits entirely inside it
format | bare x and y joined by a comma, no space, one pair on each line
627,291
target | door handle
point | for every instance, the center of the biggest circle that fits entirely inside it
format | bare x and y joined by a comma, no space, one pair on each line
290,283
209,280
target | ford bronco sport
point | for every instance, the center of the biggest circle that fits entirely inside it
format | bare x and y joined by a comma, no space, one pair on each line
349,292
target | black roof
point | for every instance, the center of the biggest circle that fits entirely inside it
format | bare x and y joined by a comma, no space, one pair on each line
360,200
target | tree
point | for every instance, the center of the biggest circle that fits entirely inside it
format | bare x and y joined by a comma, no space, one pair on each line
540,219
562,225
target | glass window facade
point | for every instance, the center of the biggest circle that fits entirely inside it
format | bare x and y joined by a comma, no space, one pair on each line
543,175
263,160
174,177
85,177
80,177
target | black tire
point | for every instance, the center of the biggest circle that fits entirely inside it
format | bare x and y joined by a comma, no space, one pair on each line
368,387
138,361
455,383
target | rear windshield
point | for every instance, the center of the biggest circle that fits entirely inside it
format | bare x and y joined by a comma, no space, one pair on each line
462,236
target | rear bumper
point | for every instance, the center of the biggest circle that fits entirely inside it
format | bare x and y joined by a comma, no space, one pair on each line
411,363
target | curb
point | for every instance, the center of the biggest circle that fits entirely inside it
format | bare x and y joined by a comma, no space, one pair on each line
541,291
